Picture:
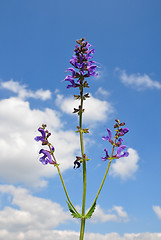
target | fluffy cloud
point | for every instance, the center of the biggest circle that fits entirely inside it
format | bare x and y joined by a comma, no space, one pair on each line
116,214
19,151
27,212
95,110
138,81
126,167
28,217
23,92
68,235
102,92
157,210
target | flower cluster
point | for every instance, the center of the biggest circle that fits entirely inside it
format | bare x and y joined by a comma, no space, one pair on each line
47,157
117,142
83,63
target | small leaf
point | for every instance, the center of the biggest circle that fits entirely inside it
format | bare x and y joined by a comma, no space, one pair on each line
72,211
91,211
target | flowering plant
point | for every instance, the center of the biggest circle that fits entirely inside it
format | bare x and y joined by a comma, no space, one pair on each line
84,67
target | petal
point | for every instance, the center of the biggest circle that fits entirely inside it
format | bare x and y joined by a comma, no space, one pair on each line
42,132
43,160
109,132
124,131
72,71
68,78
105,138
119,150
125,154
47,156
106,157
106,152
38,138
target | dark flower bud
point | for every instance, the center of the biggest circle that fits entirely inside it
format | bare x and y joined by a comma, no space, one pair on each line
45,142
117,120
77,162
48,134
44,126
122,124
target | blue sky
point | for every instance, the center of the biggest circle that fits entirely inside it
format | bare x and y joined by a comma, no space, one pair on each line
37,42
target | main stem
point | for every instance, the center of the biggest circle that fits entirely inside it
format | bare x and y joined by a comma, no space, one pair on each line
84,169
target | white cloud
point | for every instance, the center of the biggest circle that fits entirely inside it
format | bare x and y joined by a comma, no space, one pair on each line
27,212
125,167
157,210
95,110
138,81
121,213
68,235
23,92
102,92
27,217
116,214
19,152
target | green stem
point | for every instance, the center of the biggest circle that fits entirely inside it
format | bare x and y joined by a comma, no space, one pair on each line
60,175
99,190
66,190
82,229
84,170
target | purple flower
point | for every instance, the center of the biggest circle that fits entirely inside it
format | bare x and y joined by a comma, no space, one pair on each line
107,156
46,158
120,140
108,137
42,137
71,80
91,71
72,71
123,131
119,150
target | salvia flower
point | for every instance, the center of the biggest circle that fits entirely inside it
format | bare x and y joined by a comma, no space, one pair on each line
107,156
123,131
119,151
46,158
108,137
85,67
43,135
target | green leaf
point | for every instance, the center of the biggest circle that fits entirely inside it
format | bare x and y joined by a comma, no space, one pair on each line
72,211
91,211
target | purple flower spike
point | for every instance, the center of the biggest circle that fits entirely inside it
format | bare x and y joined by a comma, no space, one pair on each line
41,138
81,61
119,150
46,158
107,156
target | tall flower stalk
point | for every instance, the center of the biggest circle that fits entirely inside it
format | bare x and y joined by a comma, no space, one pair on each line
82,68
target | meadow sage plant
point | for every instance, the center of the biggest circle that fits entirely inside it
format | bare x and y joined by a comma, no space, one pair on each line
83,67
